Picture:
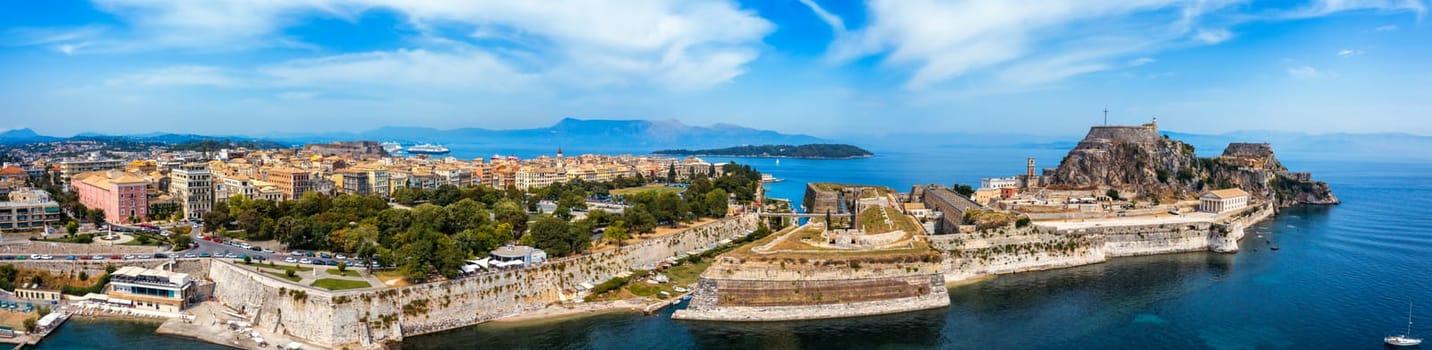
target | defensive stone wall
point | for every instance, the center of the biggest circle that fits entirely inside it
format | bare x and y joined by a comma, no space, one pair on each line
1137,134
1038,247
363,318
818,200
766,300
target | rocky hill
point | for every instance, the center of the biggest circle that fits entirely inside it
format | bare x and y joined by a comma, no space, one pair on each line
1143,165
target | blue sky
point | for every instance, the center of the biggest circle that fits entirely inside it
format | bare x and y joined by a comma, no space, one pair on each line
820,67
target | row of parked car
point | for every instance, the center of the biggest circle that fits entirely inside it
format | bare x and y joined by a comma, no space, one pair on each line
83,257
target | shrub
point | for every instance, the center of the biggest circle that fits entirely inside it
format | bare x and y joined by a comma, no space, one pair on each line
290,273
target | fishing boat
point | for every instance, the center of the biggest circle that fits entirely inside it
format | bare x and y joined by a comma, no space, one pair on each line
428,148
1405,339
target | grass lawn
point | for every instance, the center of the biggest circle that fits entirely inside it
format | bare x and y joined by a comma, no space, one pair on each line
283,275
686,274
280,267
337,284
348,273
635,190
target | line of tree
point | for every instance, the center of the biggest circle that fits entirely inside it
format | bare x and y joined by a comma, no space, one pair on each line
449,224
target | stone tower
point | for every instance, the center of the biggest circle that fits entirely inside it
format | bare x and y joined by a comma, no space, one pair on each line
1031,167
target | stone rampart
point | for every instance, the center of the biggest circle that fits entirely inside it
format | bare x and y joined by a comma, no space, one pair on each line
1034,248
363,318
762,300
1137,134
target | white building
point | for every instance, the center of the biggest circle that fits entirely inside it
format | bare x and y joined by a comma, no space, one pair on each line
1222,201
999,182
150,289
192,184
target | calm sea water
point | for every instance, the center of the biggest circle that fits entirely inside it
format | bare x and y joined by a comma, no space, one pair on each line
1342,280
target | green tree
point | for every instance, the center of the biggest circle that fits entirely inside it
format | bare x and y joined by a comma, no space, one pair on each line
30,323
342,266
716,203
181,240
72,227
616,233
430,216
467,214
510,213
639,219
671,173
95,215
552,235
1112,193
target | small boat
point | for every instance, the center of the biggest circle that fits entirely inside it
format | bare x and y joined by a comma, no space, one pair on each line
1405,339
1273,248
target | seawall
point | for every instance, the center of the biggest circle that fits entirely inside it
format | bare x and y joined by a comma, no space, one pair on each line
1045,247
367,318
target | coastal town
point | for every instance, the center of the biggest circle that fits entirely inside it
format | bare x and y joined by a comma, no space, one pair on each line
221,243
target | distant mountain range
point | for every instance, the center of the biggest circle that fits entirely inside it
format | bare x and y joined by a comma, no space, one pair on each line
625,135
641,136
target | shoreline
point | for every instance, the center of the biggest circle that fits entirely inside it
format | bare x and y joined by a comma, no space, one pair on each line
765,157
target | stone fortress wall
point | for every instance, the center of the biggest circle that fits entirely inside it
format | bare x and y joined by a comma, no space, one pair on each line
367,317
1039,247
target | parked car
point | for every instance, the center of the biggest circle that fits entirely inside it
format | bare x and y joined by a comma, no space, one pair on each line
97,257
266,250
305,261
203,255
331,262
144,257
260,257
191,255
128,257
341,257
296,253
34,256
161,256
72,257
290,260
116,257
325,256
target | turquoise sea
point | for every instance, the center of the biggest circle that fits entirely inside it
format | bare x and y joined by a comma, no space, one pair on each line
1342,280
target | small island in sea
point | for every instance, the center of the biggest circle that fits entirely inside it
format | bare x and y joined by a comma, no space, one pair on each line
807,151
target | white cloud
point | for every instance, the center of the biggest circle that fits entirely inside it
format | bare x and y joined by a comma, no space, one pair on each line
1213,36
1304,72
683,44
1141,61
179,76
1349,52
401,68
1386,28
1027,43
1326,7
833,21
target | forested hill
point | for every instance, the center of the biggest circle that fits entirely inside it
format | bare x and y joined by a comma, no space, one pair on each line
810,151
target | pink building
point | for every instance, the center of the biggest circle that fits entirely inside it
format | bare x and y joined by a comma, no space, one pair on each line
119,194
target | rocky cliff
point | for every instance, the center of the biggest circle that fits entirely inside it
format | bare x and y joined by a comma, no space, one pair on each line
1143,165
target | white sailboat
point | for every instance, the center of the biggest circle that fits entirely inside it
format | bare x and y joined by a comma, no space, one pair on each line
1406,338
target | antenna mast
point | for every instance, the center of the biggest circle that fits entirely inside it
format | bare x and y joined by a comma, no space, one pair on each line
1106,115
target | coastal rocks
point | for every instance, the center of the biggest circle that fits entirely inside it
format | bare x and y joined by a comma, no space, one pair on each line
1135,159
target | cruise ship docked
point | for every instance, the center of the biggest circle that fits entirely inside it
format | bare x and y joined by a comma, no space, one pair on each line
427,148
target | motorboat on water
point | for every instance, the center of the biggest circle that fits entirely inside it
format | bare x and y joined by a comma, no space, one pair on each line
1406,338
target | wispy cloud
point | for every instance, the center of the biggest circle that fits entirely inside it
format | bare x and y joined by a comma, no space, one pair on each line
941,41
1213,36
1386,28
1349,52
833,21
1304,72
687,44
178,76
